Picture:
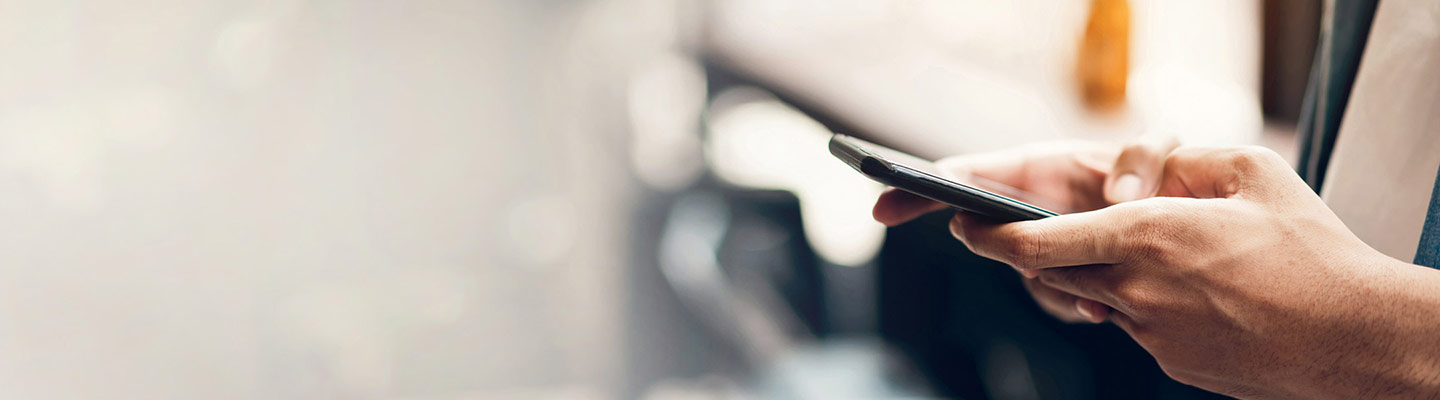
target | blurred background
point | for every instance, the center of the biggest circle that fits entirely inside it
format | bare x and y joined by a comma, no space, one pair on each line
572,199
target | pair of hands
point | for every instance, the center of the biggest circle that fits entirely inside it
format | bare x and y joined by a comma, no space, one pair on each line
1220,262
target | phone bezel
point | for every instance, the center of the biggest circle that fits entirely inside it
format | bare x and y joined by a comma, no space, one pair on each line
914,180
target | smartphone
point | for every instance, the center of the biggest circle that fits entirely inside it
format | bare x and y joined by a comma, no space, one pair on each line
918,176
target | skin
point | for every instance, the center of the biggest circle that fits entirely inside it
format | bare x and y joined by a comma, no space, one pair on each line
1220,262
1079,176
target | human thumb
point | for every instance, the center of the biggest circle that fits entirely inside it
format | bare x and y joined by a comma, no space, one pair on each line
1136,174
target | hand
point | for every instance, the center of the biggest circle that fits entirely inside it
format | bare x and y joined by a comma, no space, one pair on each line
1080,176
1238,279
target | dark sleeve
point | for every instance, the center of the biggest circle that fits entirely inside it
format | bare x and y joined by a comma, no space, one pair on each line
1428,254
1344,27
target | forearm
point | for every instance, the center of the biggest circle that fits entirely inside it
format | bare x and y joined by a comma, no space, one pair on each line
1398,354
1415,318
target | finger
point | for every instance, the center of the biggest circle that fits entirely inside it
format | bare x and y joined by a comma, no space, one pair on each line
1224,172
1065,306
1093,237
1093,311
1059,304
1138,168
1094,282
1124,321
895,207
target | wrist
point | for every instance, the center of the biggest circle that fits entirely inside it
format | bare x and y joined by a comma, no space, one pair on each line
1394,349
1415,317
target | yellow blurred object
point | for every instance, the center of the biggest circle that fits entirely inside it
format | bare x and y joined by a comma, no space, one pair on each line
1103,65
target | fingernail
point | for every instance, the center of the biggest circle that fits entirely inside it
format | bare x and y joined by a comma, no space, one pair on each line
1127,188
1084,311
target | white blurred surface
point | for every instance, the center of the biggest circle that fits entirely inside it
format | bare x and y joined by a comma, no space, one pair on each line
941,77
756,141
307,199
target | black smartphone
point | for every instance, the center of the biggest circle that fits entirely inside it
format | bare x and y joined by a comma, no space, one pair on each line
918,176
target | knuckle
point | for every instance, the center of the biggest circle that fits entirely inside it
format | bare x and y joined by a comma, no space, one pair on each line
1151,219
1135,299
1261,152
1058,277
1024,247
1150,228
957,230
1153,246
1251,157
1249,152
